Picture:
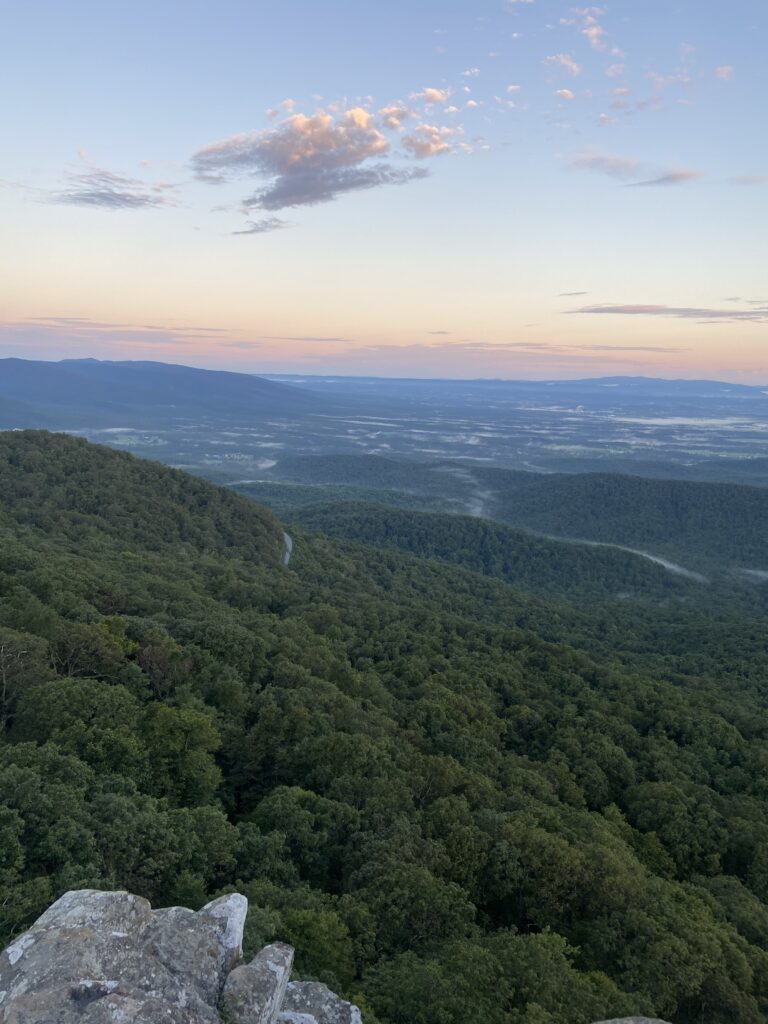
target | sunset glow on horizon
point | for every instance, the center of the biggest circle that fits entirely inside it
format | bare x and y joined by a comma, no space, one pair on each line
510,188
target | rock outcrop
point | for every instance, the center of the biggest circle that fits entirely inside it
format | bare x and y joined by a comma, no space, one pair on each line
633,1020
108,958
308,1001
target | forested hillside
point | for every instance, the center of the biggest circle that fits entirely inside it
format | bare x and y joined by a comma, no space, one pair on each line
520,558
713,524
457,801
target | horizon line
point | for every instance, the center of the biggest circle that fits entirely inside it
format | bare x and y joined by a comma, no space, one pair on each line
271,375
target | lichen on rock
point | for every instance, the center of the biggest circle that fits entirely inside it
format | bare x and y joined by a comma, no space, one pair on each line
107,958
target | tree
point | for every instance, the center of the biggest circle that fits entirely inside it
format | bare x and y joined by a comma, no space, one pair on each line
24,661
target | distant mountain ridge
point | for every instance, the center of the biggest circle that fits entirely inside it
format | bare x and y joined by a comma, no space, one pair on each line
234,426
85,392
650,387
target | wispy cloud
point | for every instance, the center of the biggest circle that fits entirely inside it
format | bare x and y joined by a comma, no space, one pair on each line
661,81
88,323
262,227
305,337
565,94
284,107
670,178
590,26
724,72
98,187
700,313
621,167
86,335
470,358
321,185
629,348
633,172
565,61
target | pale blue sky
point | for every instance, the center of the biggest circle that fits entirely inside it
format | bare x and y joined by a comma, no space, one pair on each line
392,189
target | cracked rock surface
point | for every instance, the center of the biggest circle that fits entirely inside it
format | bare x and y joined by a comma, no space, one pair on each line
310,1001
633,1020
108,958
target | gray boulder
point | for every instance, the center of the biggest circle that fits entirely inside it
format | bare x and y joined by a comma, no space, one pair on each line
199,949
108,958
105,956
310,1002
254,992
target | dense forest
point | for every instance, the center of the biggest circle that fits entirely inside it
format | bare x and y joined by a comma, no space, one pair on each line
710,524
457,800
538,564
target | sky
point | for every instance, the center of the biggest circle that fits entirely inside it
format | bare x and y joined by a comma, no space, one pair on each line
462,188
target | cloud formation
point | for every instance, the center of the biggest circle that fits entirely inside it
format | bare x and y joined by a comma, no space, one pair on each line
262,227
700,313
300,143
565,61
393,116
591,28
98,187
72,334
670,178
305,337
428,140
313,186
626,169
432,95
309,159
471,358
621,167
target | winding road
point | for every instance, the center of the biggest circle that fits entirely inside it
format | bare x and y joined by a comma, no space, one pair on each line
673,567
287,548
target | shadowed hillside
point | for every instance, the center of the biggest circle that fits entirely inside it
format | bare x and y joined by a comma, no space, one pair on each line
515,556
713,524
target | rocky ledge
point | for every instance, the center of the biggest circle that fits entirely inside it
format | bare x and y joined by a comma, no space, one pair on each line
108,958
